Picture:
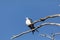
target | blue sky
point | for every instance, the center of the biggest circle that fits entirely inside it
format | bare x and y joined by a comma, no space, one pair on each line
14,12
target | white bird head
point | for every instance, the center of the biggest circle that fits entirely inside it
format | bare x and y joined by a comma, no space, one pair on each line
28,21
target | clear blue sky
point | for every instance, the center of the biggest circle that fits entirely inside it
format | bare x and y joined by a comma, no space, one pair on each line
13,13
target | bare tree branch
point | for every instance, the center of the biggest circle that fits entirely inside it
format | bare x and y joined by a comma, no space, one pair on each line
45,18
55,34
15,36
50,37
41,19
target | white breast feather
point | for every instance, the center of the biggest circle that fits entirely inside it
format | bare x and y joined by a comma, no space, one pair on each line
28,22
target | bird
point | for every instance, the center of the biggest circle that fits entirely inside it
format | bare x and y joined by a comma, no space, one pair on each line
30,25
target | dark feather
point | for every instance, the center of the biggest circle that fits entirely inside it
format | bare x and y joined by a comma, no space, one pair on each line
32,27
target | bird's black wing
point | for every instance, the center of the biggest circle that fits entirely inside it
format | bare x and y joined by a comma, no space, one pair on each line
31,20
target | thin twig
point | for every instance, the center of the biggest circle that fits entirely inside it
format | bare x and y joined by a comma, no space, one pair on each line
50,37
54,34
15,36
45,35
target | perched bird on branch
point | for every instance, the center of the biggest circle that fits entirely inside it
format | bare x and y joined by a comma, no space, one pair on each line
30,25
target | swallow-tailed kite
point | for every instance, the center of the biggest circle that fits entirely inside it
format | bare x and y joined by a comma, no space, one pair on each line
29,24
